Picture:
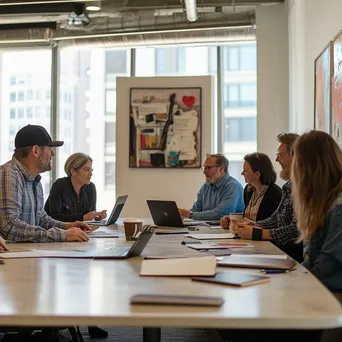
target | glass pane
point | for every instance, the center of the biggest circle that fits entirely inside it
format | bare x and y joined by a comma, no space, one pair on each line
239,98
248,57
248,94
20,79
87,111
181,61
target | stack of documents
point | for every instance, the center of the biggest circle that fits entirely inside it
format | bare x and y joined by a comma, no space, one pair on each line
198,266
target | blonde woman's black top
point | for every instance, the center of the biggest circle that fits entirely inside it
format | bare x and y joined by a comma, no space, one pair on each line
63,203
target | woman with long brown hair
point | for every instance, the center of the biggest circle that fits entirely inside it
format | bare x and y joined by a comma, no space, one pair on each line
317,194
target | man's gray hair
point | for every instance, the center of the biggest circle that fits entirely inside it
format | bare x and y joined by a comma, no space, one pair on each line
220,160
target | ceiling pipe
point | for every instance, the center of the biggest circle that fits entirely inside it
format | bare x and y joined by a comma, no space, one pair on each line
191,10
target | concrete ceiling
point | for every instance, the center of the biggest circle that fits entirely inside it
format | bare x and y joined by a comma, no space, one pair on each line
39,19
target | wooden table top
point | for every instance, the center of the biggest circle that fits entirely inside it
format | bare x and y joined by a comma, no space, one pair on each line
61,292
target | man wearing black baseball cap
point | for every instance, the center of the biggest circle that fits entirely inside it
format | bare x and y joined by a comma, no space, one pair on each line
22,215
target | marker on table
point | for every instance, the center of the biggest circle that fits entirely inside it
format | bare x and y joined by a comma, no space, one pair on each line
274,271
2,262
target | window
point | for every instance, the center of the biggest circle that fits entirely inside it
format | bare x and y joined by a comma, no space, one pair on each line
240,129
30,94
21,96
110,138
13,97
240,99
12,113
116,62
110,101
29,112
109,174
12,130
21,112
240,95
240,57
170,60
248,57
18,72
87,119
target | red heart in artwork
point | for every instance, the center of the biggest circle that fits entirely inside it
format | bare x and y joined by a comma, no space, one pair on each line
188,100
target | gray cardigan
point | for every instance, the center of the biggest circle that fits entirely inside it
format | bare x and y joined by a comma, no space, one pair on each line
323,252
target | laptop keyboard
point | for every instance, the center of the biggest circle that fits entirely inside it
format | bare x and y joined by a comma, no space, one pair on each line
117,251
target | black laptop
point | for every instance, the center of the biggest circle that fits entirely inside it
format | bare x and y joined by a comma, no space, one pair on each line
118,206
165,213
142,238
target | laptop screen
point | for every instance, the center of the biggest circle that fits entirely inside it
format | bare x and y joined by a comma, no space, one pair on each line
119,204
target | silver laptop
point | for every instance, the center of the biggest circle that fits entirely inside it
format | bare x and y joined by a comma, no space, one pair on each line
118,206
142,238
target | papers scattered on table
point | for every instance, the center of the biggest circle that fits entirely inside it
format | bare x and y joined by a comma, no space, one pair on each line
208,245
44,253
211,236
205,266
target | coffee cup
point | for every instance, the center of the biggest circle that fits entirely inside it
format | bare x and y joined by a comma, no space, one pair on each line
132,227
235,218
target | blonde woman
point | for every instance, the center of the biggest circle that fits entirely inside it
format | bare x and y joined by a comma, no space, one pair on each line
73,198
317,193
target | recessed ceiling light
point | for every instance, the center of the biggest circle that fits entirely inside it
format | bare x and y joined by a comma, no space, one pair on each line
93,8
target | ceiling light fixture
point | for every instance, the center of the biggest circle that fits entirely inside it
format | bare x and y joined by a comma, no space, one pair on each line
94,6
191,10
78,16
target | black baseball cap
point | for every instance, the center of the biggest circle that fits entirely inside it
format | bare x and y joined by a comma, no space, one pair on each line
31,135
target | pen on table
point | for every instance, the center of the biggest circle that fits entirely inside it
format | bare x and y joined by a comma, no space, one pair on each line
274,271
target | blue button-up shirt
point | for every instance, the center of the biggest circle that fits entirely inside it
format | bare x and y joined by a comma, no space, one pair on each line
219,199
22,214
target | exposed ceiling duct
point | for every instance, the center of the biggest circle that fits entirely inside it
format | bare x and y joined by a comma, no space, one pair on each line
128,22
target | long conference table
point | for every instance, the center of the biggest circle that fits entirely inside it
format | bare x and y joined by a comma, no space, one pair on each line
65,292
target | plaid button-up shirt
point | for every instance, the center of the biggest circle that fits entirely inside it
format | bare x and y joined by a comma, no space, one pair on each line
22,215
282,224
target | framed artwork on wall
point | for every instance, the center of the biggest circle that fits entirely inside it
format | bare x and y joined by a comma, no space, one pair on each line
336,90
323,75
165,127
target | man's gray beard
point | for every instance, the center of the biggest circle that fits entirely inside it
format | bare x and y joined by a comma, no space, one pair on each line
43,168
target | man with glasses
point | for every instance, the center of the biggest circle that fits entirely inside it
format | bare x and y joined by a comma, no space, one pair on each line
220,195
22,215
281,226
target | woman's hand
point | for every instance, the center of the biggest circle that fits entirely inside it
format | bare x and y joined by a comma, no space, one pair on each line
101,215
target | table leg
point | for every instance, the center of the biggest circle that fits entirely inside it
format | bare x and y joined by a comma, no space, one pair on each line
152,334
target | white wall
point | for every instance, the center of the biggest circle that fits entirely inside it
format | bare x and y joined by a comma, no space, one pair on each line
272,76
312,24
170,184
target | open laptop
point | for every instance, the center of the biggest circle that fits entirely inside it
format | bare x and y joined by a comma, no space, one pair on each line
118,206
165,213
142,238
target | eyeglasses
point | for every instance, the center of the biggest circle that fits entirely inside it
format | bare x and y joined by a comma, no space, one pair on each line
207,168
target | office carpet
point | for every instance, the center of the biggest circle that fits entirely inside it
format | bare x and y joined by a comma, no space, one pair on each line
128,334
